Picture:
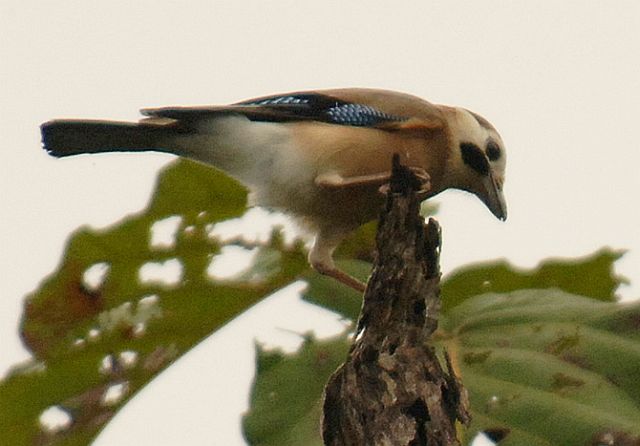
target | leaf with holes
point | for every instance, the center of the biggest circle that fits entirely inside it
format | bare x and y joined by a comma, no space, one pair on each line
126,301
542,366
590,276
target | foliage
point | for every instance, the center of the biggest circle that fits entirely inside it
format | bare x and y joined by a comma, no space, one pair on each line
547,355
91,339
285,397
542,366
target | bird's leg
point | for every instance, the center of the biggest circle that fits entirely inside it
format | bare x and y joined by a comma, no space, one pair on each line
335,180
321,259
340,276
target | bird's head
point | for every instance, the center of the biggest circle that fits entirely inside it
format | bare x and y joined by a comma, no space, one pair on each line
477,159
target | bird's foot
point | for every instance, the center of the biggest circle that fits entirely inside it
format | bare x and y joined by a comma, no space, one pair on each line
423,178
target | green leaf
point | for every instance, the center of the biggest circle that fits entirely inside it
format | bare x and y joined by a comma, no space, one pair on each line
591,276
89,337
542,367
361,244
547,364
285,404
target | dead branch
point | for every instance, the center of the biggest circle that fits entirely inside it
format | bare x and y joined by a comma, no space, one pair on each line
393,389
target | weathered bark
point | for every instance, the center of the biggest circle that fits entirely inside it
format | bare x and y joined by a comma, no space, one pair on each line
392,389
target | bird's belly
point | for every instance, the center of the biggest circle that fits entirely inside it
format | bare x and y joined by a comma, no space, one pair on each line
319,207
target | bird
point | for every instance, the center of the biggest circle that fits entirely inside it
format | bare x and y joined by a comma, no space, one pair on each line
321,156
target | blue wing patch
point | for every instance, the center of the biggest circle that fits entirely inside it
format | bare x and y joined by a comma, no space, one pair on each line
359,115
325,109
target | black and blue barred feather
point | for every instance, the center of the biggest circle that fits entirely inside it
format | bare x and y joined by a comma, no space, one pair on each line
326,109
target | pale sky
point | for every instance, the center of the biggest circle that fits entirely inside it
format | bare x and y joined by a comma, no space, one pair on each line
560,80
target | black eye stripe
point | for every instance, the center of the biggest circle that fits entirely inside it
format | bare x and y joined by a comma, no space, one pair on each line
493,151
473,157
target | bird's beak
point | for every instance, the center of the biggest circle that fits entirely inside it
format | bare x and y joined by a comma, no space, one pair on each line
493,197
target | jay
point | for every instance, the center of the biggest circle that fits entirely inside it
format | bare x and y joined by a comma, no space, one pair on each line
320,156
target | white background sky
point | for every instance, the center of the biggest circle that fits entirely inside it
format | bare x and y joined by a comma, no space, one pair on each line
560,80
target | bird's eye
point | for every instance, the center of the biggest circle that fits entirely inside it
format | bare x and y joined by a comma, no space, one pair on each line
473,157
493,151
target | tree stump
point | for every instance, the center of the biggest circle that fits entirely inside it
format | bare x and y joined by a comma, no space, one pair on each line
393,389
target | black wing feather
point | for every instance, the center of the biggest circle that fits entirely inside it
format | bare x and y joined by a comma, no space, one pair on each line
287,108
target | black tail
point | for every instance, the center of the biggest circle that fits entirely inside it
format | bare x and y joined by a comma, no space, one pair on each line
73,137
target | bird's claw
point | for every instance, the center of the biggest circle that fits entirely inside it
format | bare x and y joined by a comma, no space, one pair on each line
421,175
423,178
384,189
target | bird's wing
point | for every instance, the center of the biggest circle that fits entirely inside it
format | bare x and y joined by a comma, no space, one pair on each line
351,107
